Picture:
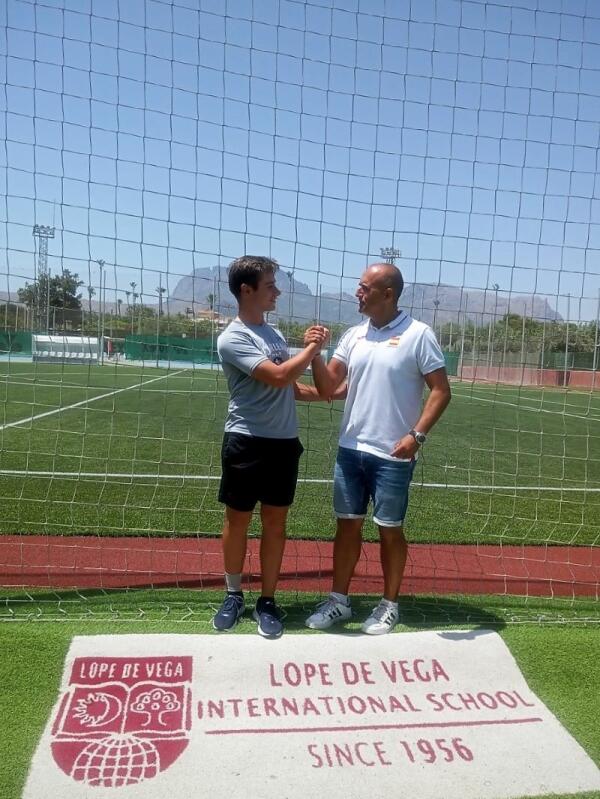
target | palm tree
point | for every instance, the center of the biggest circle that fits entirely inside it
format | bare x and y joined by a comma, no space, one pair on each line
135,297
91,291
210,299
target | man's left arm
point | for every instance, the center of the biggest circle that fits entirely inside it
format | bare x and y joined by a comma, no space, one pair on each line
436,403
306,393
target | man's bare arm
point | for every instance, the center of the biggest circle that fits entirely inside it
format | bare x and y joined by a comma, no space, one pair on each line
437,402
284,374
328,377
306,393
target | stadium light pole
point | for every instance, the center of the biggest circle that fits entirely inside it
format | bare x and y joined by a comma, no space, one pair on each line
596,344
462,338
436,304
101,262
133,284
566,364
41,233
389,254
496,288
290,276
47,301
160,290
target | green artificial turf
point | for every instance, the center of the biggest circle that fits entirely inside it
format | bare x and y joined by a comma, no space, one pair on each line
542,440
561,662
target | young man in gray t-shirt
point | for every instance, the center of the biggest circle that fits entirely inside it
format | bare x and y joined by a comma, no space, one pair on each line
261,448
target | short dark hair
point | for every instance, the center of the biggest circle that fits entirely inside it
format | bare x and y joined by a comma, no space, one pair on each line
248,269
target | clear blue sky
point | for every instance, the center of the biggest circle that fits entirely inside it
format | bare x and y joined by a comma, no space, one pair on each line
166,136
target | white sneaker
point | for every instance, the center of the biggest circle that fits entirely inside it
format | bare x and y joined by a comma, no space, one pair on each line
328,613
382,620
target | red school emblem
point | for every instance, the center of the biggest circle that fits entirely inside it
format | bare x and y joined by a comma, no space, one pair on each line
123,720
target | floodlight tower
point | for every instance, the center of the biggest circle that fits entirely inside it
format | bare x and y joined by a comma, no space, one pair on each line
42,276
389,254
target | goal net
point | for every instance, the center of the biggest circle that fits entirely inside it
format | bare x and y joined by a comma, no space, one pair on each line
146,144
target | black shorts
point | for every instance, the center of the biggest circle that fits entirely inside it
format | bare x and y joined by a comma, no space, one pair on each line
257,469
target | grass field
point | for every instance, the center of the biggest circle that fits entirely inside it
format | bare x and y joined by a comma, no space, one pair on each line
126,450
131,450
560,663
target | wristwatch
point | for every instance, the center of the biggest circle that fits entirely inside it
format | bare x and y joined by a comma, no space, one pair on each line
420,438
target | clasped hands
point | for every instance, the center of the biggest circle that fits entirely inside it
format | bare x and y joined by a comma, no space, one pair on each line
316,334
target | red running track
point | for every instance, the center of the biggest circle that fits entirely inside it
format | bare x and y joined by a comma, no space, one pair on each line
102,562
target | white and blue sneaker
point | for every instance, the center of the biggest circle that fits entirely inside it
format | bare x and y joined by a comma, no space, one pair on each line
382,620
328,613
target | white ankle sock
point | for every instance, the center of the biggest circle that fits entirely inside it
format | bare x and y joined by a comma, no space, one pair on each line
233,582
343,598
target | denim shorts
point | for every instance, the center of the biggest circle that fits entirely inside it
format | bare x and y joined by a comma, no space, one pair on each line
360,477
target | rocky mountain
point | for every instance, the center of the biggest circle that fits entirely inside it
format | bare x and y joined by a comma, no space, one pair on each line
298,302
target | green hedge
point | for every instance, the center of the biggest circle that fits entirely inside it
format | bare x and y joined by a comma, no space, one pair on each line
451,359
15,343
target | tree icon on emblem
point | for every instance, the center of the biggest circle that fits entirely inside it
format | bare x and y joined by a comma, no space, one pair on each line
155,704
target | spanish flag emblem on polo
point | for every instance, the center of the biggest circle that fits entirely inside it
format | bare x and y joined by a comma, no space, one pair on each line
394,341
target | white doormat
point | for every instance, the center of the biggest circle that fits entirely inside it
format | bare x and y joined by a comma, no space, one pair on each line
434,715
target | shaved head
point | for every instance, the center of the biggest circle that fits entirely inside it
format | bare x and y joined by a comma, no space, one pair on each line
387,276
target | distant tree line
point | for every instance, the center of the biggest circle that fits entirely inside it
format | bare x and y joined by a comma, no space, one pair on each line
515,333
55,302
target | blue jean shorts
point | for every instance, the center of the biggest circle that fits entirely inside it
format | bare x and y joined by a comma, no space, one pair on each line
361,476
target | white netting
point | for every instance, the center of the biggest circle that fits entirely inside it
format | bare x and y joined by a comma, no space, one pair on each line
147,144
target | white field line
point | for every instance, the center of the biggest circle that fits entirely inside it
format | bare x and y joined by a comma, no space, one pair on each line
327,481
515,388
63,386
526,407
83,402
76,386
32,378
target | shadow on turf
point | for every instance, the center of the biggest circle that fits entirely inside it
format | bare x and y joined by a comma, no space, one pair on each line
415,611
198,606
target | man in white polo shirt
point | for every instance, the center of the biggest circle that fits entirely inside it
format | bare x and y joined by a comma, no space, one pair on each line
386,362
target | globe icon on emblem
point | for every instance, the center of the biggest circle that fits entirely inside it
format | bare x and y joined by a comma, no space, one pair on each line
116,761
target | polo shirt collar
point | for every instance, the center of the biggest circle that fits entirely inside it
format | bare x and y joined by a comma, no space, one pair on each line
402,316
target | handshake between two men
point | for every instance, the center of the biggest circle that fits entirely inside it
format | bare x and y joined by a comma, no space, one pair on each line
330,383
317,334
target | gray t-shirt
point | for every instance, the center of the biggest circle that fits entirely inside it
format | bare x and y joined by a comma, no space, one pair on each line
255,408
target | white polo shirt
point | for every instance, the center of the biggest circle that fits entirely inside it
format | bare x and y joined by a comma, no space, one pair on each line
385,381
